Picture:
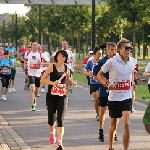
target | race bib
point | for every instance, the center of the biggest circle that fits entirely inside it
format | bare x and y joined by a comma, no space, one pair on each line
59,90
4,71
35,66
122,85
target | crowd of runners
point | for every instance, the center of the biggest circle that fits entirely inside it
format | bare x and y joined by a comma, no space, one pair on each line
111,79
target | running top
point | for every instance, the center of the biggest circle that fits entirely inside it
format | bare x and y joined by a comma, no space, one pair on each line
33,65
3,66
120,74
56,75
89,67
97,68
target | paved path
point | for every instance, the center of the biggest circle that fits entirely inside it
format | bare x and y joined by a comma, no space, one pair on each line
21,129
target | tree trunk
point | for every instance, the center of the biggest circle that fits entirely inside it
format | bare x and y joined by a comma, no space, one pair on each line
139,50
144,49
134,34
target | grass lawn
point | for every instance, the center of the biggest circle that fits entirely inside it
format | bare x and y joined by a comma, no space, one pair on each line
142,90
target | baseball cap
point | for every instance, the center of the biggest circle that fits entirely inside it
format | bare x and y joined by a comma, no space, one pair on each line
90,52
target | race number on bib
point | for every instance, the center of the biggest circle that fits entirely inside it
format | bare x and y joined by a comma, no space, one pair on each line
59,90
122,85
4,70
35,66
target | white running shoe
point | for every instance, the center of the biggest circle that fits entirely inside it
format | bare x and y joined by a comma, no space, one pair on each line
4,98
9,90
13,90
42,90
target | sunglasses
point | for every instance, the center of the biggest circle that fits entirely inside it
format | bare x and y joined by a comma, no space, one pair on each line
5,53
128,48
29,47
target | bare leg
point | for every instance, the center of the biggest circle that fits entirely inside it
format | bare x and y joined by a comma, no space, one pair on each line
126,129
112,131
95,96
32,93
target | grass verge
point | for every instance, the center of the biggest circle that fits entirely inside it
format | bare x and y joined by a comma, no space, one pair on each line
141,92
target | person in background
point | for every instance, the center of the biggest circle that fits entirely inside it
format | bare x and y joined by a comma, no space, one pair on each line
43,49
1,52
5,73
135,81
21,51
85,60
94,84
10,47
13,72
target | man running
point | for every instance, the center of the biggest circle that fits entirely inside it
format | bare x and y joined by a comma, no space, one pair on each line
103,94
34,63
121,74
43,49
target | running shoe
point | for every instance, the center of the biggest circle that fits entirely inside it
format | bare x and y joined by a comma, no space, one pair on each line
32,108
111,149
92,99
42,90
4,98
101,136
97,118
25,87
34,104
52,138
116,138
60,147
70,90
13,90
133,110
9,90
38,95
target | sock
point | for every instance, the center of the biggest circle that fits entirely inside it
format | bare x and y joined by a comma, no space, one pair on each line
59,142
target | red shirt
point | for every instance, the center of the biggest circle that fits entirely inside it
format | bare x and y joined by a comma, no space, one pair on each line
85,60
22,49
1,55
137,69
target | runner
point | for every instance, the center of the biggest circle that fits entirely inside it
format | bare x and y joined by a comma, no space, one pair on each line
94,85
21,51
90,54
10,47
5,73
13,72
24,55
103,94
1,52
135,80
43,49
34,62
56,97
121,74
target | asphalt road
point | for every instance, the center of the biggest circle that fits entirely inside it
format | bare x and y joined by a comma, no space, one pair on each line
81,127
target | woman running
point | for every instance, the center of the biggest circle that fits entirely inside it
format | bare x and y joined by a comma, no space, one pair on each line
13,72
56,96
5,73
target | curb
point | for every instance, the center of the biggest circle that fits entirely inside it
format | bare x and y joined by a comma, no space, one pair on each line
84,85
9,139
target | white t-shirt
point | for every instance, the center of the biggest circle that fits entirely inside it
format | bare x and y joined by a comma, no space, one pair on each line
122,73
147,70
48,56
34,69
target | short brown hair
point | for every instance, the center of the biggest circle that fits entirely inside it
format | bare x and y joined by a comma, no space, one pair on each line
63,52
121,42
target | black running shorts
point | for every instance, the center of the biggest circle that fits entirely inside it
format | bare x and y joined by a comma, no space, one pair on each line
116,107
94,88
34,80
103,101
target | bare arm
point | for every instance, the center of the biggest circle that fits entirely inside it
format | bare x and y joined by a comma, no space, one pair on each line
146,74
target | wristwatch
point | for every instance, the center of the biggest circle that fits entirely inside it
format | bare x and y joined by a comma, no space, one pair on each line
107,82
